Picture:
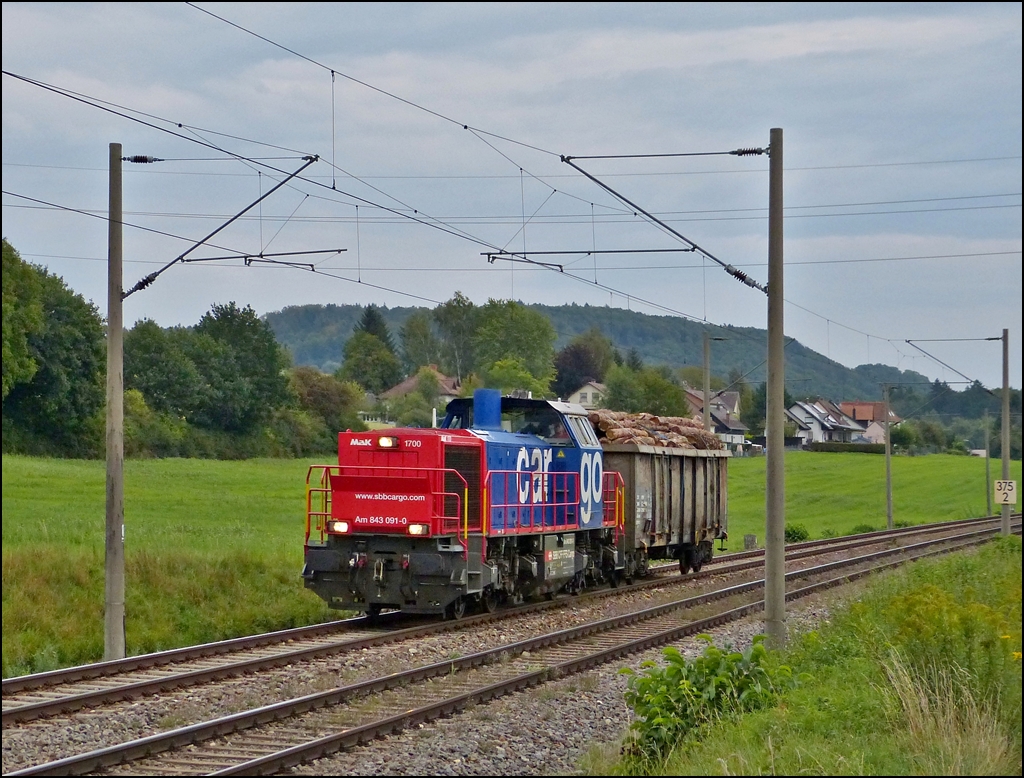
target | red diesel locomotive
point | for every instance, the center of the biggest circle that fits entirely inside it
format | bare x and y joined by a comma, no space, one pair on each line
511,498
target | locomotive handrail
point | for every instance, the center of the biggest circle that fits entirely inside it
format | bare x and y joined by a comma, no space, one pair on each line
461,500
325,494
569,481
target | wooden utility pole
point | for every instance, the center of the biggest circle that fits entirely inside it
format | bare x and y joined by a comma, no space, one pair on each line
1005,523
707,382
113,615
775,491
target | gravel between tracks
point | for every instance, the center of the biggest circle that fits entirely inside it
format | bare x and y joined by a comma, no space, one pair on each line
542,731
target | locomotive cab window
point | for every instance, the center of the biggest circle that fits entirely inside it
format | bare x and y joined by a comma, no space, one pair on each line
584,431
544,422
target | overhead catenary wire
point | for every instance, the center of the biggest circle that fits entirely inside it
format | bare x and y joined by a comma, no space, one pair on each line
737,274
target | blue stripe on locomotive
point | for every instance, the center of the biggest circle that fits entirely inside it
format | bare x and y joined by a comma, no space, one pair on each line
550,499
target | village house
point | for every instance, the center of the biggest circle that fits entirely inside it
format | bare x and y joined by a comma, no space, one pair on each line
589,395
871,416
822,421
725,416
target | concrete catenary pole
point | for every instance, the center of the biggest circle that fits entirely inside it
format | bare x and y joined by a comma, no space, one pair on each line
113,618
775,492
707,381
888,462
1005,523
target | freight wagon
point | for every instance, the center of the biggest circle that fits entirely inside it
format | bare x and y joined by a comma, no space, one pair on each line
510,499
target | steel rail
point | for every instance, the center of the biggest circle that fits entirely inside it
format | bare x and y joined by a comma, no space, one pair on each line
50,706
207,730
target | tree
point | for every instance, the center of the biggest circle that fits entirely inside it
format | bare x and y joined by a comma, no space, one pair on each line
227,399
157,365
419,344
336,402
587,358
59,407
261,360
633,360
650,390
22,317
226,373
369,363
756,411
456,319
428,385
372,323
510,374
902,436
509,330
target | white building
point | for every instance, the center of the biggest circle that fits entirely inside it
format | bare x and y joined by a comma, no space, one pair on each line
589,395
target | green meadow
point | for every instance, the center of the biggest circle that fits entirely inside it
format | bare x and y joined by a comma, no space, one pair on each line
835,493
214,548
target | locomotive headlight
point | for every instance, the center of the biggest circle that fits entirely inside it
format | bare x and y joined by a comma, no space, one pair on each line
419,529
340,527
387,442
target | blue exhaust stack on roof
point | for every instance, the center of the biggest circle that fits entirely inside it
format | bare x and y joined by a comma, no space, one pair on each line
487,409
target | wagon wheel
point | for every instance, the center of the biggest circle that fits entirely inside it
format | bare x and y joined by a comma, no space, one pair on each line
457,609
694,559
373,613
697,562
684,563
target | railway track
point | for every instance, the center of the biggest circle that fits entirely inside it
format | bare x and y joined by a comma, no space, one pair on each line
48,694
278,736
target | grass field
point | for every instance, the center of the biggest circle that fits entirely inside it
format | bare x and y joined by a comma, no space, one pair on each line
214,549
837,492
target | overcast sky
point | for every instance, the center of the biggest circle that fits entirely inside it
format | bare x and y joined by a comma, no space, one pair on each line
440,136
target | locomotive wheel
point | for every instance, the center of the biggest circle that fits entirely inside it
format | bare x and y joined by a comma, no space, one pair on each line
373,613
457,609
489,600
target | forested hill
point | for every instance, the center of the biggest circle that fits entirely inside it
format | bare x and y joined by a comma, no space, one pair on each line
316,335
